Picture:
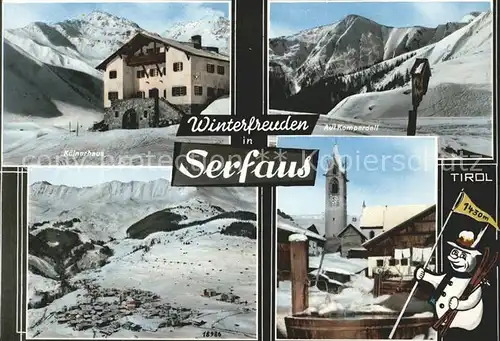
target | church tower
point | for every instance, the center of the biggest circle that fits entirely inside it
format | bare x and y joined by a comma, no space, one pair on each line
336,195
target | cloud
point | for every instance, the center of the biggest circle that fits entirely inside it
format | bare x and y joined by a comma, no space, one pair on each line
435,13
199,11
20,15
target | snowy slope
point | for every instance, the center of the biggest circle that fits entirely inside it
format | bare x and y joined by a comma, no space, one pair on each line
352,43
221,106
175,265
214,30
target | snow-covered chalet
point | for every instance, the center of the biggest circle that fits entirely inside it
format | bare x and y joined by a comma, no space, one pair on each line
152,81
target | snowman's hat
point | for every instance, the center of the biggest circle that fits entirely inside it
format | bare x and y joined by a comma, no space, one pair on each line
467,243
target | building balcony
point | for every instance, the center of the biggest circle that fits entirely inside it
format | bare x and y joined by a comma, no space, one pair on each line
148,59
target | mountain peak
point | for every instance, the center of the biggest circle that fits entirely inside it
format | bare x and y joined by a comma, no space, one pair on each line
98,18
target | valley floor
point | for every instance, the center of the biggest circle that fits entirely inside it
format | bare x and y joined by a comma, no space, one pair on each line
467,137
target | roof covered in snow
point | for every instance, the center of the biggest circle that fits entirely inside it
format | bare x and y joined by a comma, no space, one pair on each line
333,262
351,226
387,217
201,52
417,215
421,65
294,228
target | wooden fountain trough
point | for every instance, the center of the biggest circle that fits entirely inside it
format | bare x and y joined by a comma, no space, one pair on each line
362,326
348,325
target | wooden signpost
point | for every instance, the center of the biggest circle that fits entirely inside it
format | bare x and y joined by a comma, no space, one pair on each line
420,75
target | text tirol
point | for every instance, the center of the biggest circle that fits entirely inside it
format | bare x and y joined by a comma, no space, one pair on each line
221,165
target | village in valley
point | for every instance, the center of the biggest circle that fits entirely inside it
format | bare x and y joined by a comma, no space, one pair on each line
120,253
360,267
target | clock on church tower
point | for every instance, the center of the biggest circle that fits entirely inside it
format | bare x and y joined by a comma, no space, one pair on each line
334,200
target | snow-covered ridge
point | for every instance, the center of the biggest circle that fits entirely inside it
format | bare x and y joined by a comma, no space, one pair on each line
108,209
159,190
111,191
94,36
353,43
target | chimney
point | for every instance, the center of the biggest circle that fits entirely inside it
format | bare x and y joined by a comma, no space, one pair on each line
196,40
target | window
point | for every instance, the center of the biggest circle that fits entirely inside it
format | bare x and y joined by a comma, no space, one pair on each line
178,67
152,72
372,234
210,68
220,92
145,114
198,90
141,74
165,93
179,91
220,70
112,74
210,92
404,261
380,262
113,95
334,189
116,114
393,262
140,94
157,50
164,71
150,51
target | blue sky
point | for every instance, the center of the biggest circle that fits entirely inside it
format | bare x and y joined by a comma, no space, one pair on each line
90,176
152,16
289,18
380,170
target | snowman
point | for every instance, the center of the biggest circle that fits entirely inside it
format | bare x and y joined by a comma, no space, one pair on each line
450,286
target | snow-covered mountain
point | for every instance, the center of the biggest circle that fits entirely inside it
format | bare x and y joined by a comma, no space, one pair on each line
65,55
50,83
99,248
457,109
350,44
133,200
89,39
214,30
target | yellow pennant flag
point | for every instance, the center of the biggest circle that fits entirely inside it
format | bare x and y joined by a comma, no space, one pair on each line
468,208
